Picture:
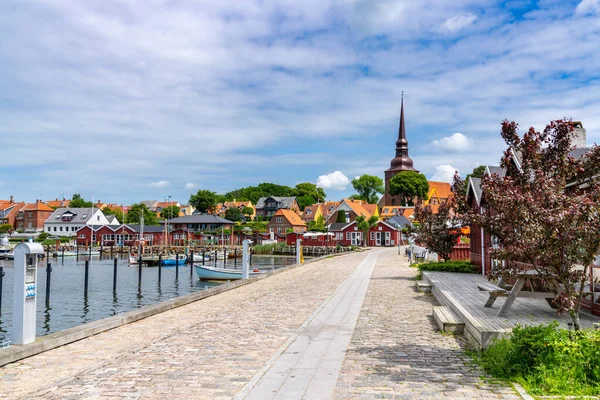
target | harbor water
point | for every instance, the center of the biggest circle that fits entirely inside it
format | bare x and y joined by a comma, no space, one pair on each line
69,306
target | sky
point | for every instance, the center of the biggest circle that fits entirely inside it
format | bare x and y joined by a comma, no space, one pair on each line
143,99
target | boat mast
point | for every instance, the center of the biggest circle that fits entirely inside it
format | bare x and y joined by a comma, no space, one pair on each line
140,249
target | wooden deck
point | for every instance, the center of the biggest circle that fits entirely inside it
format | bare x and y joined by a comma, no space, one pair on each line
460,293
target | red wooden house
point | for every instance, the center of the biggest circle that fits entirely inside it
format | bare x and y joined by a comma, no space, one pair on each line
380,234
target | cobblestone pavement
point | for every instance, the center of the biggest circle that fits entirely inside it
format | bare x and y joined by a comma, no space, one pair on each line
210,349
397,351
207,349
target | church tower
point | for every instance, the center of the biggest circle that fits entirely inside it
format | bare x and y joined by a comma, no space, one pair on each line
401,162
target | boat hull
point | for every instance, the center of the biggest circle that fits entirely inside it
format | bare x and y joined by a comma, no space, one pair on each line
169,262
219,274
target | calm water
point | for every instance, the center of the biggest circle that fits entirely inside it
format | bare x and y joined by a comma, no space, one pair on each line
69,307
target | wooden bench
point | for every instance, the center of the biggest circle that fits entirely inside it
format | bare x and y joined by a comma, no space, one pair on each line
494,291
447,320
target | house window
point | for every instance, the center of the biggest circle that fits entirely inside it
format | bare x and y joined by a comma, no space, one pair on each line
61,228
347,216
347,235
49,229
380,228
30,215
73,228
279,220
93,237
98,218
29,225
54,229
278,230
308,212
82,236
372,235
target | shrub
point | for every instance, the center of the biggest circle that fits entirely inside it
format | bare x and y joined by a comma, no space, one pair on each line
450,266
547,360
42,236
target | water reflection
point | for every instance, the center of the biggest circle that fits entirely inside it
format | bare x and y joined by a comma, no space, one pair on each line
69,307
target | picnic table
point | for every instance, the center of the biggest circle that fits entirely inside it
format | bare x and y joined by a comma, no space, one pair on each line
511,294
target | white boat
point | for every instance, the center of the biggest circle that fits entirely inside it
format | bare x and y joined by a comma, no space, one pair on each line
71,253
199,258
10,255
221,274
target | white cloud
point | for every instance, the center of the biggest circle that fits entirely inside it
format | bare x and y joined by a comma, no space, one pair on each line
335,181
587,7
190,185
444,173
458,22
455,143
160,184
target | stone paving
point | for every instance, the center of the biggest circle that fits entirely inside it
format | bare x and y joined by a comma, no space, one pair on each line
212,348
397,351
205,350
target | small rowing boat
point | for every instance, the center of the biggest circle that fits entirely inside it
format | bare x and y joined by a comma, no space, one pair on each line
221,274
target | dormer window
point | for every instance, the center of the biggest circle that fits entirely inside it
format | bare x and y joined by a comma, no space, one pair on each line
309,211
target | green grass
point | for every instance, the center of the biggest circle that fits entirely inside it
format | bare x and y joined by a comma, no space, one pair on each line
268,248
547,360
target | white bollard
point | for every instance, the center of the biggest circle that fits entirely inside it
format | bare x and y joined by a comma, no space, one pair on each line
25,292
245,260
298,251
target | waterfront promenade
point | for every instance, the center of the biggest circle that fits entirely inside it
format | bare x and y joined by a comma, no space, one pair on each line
347,327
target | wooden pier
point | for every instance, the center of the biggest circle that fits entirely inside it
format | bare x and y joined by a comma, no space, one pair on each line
459,293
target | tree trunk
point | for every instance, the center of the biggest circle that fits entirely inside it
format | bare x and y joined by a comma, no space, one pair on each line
575,317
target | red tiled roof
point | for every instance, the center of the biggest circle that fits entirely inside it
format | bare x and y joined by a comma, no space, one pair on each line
36,207
293,218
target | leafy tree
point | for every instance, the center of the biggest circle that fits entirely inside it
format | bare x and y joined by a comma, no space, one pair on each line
116,212
289,230
205,201
308,194
341,216
318,225
408,185
545,213
134,214
368,187
305,201
78,202
233,214
5,228
364,225
357,197
477,172
170,212
247,211
42,236
439,231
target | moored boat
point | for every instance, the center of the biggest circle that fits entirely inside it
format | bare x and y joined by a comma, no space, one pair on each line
221,274
172,261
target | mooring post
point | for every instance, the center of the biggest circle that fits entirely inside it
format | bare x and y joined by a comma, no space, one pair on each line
235,258
87,275
159,267
245,267
298,251
140,270
48,273
63,255
216,257
1,279
224,257
191,263
203,256
177,264
115,274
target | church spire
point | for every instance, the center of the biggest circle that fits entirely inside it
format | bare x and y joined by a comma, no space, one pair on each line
402,162
402,143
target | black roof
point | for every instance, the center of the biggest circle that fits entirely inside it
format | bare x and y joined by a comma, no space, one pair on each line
337,226
200,219
149,228
399,221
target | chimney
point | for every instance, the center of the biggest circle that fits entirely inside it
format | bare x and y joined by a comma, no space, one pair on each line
12,200
579,136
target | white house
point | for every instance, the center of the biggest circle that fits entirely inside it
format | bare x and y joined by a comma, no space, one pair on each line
66,221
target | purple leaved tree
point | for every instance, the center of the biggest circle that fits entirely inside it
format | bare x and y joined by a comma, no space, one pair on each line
545,213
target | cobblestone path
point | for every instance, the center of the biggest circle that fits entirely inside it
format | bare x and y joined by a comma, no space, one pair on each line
212,348
397,351
205,350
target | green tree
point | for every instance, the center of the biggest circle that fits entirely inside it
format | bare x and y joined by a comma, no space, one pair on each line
308,194
233,214
116,212
134,214
357,197
368,187
4,228
318,225
408,185
205,201
341,216
247,211
477,172
364,225
78,202
170,212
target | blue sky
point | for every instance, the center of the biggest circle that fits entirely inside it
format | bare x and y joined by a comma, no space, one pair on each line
143,99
